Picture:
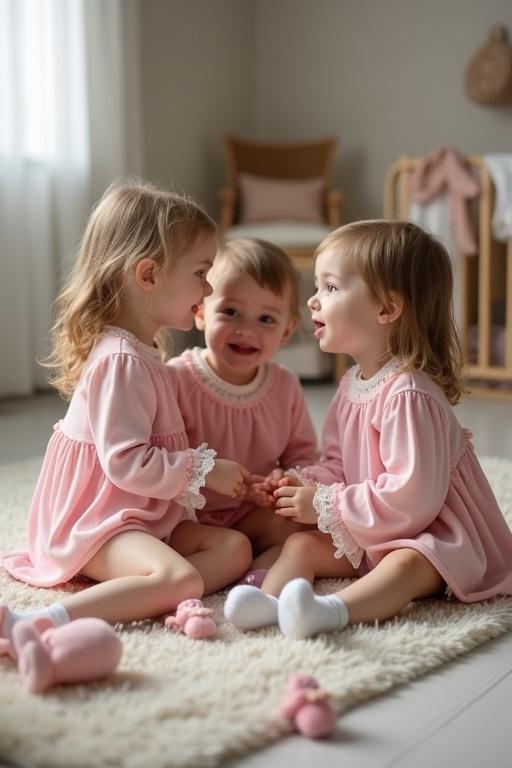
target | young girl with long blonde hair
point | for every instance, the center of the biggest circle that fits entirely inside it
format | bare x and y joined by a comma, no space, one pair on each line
119,486
399,498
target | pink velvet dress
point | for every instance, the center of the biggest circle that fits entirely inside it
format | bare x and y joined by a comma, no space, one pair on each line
263,425
118,461
399,471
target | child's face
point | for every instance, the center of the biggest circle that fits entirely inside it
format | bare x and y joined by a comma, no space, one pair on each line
344,311
244,326
184,285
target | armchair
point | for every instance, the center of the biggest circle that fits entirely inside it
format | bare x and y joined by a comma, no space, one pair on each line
280,192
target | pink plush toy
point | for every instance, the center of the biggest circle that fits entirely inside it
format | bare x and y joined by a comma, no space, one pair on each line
308,707
193,620
84,649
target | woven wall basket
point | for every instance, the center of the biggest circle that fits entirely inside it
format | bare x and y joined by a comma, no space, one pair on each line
489,73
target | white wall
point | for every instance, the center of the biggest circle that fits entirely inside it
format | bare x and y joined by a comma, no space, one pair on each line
197,84
385,76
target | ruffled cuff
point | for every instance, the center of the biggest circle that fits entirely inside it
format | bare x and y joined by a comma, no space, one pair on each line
201,461
326,505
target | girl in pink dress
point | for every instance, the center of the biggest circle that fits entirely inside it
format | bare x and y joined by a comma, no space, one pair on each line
233,396
119,485
399,498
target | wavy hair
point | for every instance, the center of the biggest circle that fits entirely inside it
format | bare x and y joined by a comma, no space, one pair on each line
400,257
133,220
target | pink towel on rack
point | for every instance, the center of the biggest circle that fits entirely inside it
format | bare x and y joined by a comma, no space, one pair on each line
446,170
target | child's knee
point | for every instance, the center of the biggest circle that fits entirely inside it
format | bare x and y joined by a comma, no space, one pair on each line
405,560
238,548
299,544
414,568
183,582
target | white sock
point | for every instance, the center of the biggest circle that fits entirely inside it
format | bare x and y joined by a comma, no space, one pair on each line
249,608
303,614
8,618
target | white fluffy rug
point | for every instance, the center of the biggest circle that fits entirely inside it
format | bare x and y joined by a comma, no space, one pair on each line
178,702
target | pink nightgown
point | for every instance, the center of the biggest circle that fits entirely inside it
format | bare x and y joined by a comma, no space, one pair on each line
119,460
399,471
263,425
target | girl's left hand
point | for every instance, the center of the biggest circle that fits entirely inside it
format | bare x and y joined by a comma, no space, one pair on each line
296,503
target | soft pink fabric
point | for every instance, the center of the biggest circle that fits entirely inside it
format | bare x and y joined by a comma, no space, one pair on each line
308,707
445,169
262,429
402,472
192,619
117,461
83,650
266,199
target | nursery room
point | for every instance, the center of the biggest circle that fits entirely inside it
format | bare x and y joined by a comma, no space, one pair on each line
256,390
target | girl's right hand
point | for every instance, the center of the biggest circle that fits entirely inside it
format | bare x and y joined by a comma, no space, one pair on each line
227,477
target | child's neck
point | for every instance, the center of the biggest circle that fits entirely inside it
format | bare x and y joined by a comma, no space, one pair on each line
143,329
371,364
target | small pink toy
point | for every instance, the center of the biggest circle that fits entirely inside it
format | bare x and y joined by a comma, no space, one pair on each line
82,650
308,707
193,620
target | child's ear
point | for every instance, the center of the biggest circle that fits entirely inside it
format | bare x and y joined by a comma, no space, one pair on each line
392,310
292,324
145,274
199,317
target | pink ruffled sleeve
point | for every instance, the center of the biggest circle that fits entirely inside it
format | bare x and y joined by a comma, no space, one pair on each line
302,448
122,404
407,496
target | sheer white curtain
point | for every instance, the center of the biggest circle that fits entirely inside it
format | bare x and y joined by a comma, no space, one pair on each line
68,96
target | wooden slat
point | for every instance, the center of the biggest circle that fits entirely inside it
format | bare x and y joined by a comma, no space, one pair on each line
508,309
484,274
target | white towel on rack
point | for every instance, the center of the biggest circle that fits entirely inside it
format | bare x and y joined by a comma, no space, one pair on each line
499,166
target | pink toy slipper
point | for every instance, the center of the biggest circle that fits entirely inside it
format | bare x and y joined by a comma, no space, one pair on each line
82,650
308,707
193,620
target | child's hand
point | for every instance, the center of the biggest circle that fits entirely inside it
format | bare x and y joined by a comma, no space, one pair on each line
260,495
261,489
289,480
275,478
296,502
227,477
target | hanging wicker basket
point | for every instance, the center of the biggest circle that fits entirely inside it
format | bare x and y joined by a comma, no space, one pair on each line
489,74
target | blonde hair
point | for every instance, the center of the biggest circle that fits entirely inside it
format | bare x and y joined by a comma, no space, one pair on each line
265,262
133,220
400,257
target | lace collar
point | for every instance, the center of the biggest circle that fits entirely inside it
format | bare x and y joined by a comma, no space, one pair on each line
239,393
114,330
364,389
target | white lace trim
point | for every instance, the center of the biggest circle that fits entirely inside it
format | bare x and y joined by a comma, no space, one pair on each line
360,389
113,330
238,393
201,462
329,521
